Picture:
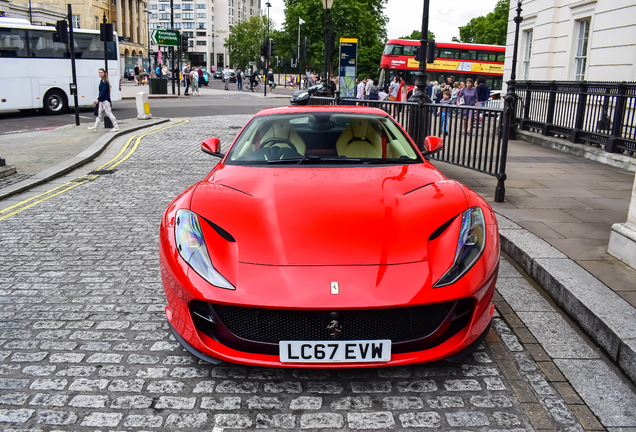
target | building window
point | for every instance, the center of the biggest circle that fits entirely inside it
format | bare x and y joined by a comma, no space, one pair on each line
162,7
187,15
200,15
177,25
201,42
164,16
154,16
177,16
187,7
200,6
177,6
188,25
580,60
200,33
96,23
188,34
527,53
76,21
153,7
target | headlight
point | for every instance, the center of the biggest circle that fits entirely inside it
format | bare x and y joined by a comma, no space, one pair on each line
191,247
472,239
303,94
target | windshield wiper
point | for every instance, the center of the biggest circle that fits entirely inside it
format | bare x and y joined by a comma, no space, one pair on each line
298,160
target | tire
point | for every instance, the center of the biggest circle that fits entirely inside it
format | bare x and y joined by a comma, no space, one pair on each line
55,102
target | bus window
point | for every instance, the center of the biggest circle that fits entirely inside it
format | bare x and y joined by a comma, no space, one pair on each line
88,46
446,53
501,58
492,57
13,43
43,45
410,50
469,55
388,49
482,56
397,50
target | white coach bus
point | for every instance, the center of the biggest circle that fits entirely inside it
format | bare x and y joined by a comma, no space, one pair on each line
35,70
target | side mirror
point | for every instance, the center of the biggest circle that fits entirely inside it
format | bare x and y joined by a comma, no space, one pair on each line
433,144
212,146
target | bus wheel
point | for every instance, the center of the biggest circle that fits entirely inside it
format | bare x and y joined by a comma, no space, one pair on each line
55,102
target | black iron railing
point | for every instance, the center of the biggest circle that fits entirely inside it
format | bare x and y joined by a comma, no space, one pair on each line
472,136
596,113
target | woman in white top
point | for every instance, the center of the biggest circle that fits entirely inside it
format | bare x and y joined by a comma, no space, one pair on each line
394,88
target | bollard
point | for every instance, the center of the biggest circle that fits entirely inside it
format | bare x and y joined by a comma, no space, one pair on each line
143,107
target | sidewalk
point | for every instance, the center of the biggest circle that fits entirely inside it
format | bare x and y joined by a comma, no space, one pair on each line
43,155
129,91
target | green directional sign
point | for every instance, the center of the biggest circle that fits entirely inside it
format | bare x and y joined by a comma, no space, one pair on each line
164,37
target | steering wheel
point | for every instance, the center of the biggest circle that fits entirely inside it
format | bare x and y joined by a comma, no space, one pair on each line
273,140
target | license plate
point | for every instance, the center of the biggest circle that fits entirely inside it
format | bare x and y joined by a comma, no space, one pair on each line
335,351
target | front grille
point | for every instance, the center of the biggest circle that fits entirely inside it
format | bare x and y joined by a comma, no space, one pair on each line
274,325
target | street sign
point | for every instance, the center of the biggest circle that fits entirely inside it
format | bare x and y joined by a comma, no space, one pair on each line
164,37
348,66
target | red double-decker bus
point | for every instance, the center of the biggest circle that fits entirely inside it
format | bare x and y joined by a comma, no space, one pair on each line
457,60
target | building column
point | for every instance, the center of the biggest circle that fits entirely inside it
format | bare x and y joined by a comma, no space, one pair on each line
119,18
143,38
134,22
126,23
622,243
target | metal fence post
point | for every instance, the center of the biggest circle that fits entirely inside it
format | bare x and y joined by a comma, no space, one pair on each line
549,120
526,107
500,190
580,112
337,97
2,162
617,123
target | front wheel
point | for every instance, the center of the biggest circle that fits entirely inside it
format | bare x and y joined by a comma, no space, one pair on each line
55,102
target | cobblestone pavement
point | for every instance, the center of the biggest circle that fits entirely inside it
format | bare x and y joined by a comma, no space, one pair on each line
13,179
84,343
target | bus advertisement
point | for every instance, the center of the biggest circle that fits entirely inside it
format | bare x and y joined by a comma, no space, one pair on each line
35,69
457,60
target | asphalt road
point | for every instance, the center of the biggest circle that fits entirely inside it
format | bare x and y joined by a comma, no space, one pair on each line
233,103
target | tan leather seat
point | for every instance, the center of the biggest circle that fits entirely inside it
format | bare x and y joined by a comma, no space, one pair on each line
359,140
282,129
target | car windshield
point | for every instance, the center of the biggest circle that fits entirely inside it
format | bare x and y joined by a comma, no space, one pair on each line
322,138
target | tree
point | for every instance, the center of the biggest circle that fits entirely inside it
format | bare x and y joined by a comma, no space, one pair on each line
417,35
361,19
491,29
245,39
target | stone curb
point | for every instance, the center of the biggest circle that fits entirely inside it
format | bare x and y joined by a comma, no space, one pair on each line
156,97
589,152
602,313
78,160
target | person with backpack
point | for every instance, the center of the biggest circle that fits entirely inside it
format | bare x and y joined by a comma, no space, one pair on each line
239,80
483,92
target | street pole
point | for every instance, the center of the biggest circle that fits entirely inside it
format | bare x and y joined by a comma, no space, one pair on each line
419,94
148,22
171,47
107,122
267,48
508,112
30,16
298,53
71,42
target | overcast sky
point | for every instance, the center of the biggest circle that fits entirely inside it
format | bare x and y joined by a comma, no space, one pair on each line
406,15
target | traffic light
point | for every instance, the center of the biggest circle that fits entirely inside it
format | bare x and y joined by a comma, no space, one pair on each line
272,48
430,52
184,43
306,48
263,51
61,32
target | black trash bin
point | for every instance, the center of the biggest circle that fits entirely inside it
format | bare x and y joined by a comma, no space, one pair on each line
158,86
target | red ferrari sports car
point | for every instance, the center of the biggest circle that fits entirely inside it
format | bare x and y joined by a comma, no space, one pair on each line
324,238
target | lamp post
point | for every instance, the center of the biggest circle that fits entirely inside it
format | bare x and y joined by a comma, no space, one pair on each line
148,22
327,4
508,111
267,47
419,94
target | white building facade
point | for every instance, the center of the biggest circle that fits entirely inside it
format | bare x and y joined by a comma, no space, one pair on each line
574,40
206,22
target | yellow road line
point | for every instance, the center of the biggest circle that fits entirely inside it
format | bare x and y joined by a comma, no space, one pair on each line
75,181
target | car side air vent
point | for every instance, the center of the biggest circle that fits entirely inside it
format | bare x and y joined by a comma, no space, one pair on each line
439,231
418,188
220,231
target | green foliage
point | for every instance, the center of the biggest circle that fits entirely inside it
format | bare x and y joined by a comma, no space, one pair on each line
361,19
417,34
244,41
491,29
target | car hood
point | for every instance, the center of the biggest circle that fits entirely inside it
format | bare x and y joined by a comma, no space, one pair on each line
328,216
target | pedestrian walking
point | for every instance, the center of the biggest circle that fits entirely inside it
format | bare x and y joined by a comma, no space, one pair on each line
226,77
483,92
201,79
468,97
404,92
136,74
445,112
374,91
194,82
239,80
186,79
394,89
367,87
429,89
103,100
270,80
360,93
449,84
455,92
437,92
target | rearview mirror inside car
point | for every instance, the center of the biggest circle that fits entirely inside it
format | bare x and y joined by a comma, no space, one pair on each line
433,144
212,146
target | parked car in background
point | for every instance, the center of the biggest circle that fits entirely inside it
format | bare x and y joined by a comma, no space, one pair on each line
301,97
232,76
218,75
